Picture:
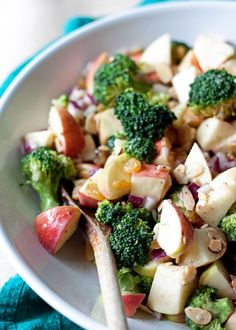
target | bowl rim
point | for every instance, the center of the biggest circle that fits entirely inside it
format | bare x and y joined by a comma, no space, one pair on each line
8,249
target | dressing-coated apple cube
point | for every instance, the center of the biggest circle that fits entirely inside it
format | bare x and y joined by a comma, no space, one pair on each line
55,226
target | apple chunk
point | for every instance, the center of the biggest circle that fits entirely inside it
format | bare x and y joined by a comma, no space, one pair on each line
215,201
151,180
174,233
55,226
93,67
131,302
107,124
113,180
209,245
88,194
171,288
231,322
149,269
69,137
216,135
216,276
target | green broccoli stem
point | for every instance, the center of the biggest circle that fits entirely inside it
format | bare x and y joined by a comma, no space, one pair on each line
47,201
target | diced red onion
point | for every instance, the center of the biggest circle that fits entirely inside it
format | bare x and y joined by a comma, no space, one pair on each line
25,147
136,201
91,99
193,187
157,254
93,171
220,163
76,105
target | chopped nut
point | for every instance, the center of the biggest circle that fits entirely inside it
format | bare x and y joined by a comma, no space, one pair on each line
188,199
189,274
198,315
101,155
233,281
180,174
215,245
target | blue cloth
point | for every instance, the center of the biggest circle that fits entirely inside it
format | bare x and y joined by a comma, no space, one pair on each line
20,307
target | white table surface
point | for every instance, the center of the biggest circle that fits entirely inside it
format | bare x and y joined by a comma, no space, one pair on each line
26,26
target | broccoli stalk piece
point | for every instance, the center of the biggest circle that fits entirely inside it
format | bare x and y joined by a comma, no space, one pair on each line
220,309
44,169
143,123
129,281
213,94
114,77
131,233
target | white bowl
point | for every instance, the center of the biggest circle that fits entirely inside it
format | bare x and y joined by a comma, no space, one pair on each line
66,281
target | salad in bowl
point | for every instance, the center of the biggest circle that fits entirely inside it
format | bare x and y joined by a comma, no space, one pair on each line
146,141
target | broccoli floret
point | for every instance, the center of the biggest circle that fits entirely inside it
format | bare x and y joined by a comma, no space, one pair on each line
110,214
44,170
213,94
143,123
129,281
131,233
228,226
130,241
114,77
141,148
220,309
62,100
111,139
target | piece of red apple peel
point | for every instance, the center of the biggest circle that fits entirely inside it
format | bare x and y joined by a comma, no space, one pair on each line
106,267
69,136
55,226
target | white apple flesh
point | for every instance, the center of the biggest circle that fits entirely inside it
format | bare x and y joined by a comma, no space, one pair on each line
55,226
216,135
113,181
196,167
151,180
216,276
159,51
209,245
211,53
107,124
215,201
231,322
174,233
171,288
37,139
69,137
182,81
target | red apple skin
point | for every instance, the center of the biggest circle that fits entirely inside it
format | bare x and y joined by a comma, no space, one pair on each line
52,224
149,170
131,302
71,137
87,201
101,59
187,229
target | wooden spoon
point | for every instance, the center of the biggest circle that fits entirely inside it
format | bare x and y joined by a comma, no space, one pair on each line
106,267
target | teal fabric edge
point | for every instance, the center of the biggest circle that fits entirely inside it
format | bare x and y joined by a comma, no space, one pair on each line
22,309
